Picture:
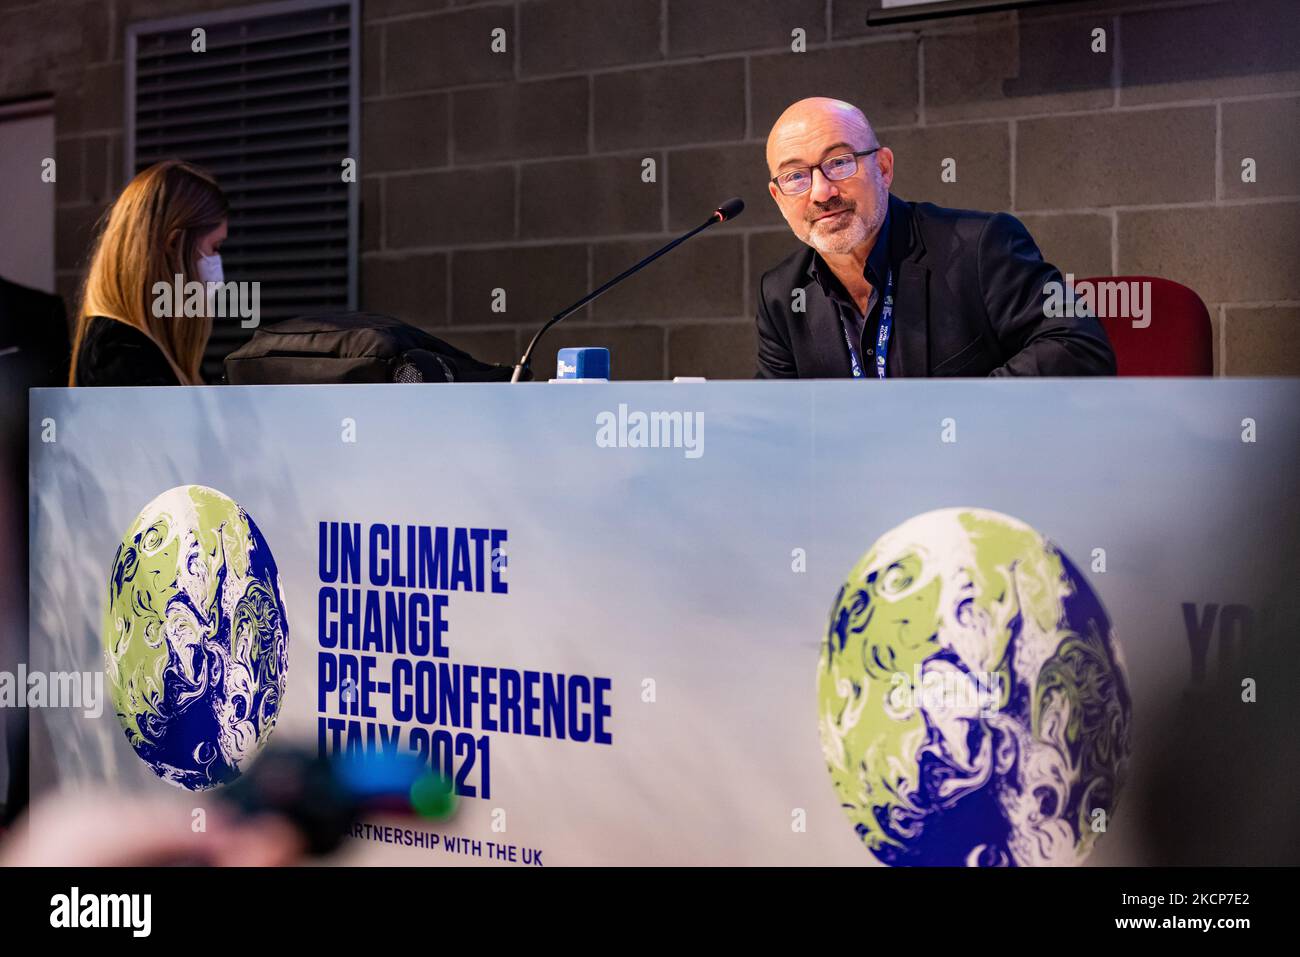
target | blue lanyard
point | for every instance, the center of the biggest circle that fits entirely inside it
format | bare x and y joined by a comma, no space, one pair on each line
882,338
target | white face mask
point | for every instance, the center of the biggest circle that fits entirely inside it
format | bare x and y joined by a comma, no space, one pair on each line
209,268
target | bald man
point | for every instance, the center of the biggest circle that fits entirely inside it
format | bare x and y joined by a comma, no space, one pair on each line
889,289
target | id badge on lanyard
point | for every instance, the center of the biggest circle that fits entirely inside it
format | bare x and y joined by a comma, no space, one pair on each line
882,338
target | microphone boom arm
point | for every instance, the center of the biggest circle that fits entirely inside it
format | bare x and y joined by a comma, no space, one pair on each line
719,215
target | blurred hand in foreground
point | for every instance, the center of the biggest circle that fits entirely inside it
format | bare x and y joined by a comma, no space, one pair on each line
111,829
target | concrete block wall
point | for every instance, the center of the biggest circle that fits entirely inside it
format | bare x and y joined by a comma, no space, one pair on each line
522,170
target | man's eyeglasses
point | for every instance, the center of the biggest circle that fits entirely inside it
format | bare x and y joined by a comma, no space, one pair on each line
799,180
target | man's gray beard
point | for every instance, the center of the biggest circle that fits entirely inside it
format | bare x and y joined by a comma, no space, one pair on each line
845,240
841,241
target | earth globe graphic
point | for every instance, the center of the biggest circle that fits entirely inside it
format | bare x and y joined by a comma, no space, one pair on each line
973,703
196,640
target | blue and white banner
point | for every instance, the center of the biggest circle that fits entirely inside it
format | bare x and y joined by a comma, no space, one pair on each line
738,622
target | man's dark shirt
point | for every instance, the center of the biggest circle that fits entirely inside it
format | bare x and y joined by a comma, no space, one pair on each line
865,329
968,301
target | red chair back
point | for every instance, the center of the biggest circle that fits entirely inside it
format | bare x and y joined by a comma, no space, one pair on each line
1174,338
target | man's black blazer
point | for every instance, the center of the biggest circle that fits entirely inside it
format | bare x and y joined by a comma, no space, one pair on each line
968,301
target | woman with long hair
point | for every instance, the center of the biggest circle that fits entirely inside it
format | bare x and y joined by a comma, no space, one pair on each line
169,221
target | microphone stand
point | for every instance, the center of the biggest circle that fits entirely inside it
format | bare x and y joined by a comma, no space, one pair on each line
728,210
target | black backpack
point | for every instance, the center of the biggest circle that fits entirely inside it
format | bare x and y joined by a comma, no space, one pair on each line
352,347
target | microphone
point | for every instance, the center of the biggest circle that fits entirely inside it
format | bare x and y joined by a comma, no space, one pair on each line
730,209
727,211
